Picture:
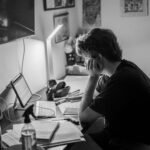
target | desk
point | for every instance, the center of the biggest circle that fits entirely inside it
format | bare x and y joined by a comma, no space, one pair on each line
76,82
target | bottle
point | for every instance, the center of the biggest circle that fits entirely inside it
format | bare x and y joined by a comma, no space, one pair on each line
28,133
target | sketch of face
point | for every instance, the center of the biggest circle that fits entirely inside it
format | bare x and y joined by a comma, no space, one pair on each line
91,10
91,14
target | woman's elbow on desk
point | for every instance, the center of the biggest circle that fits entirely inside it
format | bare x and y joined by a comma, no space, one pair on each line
88,116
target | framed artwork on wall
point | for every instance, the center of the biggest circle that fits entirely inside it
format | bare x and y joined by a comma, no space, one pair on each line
63,33
58,4
91,13
134,7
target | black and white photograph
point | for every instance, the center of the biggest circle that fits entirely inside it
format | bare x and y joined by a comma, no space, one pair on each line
58,4
134,7
74,75
63,33
91,13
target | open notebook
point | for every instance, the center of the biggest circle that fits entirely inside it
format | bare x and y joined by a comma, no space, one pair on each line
45,109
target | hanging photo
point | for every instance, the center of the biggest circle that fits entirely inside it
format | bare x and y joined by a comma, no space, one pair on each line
134,7
58,4
91,13
63,34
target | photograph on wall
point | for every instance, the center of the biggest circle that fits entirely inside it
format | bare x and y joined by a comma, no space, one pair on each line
63,33
57,4
134,7
91,13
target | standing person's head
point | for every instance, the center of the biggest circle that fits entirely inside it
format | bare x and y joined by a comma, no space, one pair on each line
99,42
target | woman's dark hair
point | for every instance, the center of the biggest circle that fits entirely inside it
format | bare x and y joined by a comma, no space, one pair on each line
101,41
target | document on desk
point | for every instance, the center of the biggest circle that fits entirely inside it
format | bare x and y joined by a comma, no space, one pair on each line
44,129
45,109
66,133
48,133
11,138
69,108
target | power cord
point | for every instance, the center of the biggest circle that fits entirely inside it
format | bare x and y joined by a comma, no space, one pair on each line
38,95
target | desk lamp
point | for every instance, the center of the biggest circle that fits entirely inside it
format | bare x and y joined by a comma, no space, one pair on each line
49,65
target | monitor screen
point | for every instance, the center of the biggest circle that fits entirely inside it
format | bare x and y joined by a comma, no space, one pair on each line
21,90
16,19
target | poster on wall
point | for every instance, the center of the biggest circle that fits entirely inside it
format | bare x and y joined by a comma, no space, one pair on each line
63,34
134,7
91,13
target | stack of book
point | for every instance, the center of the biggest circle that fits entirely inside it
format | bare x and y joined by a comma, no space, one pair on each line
48,133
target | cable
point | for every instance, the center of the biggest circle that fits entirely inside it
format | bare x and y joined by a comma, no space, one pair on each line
24,49
39,98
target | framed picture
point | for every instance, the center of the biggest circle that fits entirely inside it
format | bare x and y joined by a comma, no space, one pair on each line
57,4
63,33
91,13
134,7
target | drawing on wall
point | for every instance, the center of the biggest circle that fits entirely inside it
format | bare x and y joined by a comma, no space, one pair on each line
63,34
91,13
134,7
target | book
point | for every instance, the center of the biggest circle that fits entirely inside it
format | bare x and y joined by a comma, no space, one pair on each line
66,133
52,133
45,109
44,129
69,108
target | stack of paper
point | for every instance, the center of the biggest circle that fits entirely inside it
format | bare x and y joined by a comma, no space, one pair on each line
44,129
48,133
70,108
11,138
66,133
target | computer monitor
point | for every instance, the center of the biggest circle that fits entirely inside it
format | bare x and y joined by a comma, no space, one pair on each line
21,89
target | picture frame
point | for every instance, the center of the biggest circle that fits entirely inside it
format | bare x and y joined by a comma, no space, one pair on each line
58,4
131,8
63,33
91,13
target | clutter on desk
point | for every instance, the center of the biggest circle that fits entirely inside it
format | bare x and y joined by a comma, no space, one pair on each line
28,132
74,96
66,133
69,108
45,109
48,133
19,147
77,70
56,89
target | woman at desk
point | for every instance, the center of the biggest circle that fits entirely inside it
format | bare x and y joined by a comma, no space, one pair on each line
124,101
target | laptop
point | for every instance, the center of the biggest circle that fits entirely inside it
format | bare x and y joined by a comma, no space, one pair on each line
24,96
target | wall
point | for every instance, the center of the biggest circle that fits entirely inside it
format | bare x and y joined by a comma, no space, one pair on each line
56,55
133,32
35,50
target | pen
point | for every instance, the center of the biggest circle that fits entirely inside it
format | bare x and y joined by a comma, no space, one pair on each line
54,131
74,92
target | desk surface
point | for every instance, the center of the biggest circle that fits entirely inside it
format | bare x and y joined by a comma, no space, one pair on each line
76,82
